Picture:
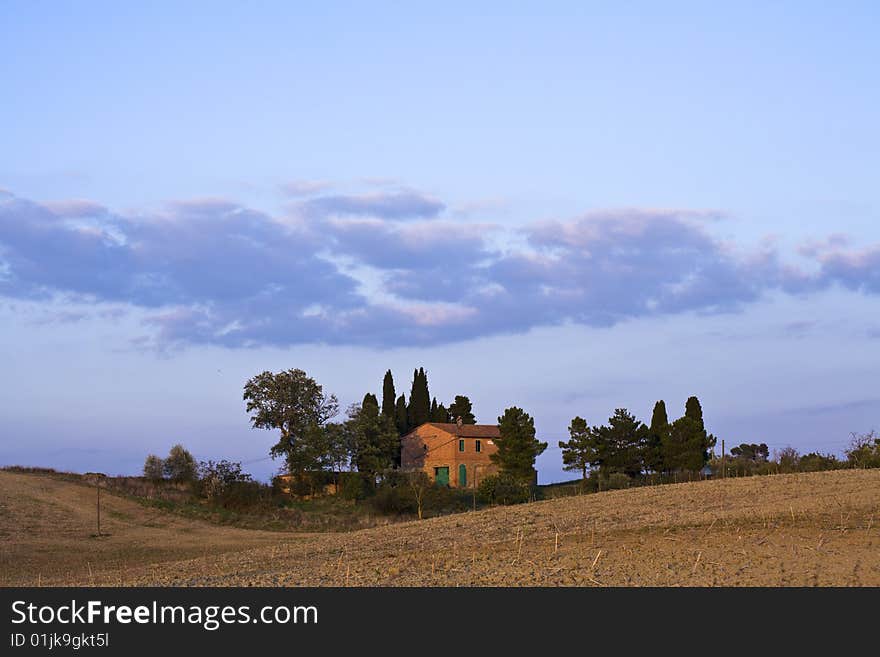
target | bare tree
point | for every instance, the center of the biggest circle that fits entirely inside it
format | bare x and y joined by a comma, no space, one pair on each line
419,483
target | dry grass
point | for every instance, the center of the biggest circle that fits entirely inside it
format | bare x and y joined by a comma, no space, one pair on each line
804,529
47,534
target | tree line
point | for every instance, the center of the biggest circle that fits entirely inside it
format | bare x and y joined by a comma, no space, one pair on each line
625,451
625,446
365,445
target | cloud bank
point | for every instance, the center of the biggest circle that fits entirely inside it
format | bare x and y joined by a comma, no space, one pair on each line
390,269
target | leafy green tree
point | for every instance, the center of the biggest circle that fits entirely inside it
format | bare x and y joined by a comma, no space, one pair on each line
580,452
154,468
179,465
337,448
307,455
654,446
400,416
373,436
461,408
623,442
419,410
294,404
388,395
517,446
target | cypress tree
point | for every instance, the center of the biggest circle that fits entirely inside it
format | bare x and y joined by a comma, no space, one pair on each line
442,414
370,402
388,395
400,415
654,447
434,410
683,445
687,444
694,411
419,400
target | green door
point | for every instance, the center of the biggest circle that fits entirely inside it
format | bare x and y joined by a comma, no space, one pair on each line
441,476
462,476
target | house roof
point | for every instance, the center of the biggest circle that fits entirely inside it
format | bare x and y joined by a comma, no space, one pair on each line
465,430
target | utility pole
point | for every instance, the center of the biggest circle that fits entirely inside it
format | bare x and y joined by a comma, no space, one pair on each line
723,469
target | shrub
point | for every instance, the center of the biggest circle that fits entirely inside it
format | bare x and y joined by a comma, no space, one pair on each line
814,462
503,489
615,481
787,459
439,500
302,484
245,494
864,451
354,486
394,500
216,478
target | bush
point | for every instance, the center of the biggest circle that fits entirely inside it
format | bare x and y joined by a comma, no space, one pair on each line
216,478
154,468
307,484
616,481
503,489
787,459
245,494
815,462
864,451
394,500
440,500
355,486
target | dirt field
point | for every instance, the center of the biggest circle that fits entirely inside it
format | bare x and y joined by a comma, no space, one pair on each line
47,534
813,529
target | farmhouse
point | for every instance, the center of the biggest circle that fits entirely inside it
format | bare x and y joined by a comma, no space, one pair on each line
451,453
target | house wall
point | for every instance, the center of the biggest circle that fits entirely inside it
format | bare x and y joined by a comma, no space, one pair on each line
442,450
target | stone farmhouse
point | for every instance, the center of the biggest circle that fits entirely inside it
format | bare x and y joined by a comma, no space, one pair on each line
452,454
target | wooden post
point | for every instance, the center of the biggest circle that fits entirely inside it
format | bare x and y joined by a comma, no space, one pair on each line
723,470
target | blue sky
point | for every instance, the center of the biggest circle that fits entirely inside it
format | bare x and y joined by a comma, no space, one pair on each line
569,207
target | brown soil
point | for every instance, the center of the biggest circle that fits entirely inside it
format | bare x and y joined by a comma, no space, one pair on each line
785,530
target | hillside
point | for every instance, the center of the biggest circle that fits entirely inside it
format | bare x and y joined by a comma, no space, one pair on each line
803,529
47,529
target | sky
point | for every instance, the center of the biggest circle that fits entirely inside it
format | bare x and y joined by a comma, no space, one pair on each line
567,207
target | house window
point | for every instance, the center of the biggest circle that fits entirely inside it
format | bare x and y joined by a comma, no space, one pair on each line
460,445
478,446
